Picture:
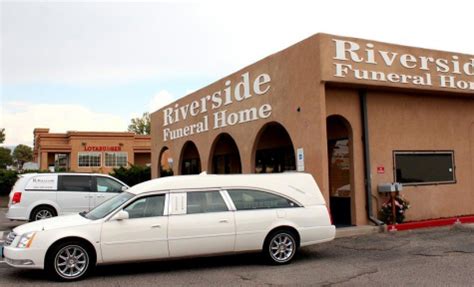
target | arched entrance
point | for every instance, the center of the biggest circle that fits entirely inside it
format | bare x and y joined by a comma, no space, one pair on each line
274,150
165,163
339,135
190,160
224,156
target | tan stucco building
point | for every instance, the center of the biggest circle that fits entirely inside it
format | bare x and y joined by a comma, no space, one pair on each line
350,112
89,151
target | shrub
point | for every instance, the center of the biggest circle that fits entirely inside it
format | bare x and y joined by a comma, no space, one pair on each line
7,180
401,206
133,175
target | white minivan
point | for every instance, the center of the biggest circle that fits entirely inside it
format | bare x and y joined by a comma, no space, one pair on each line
38,196
179,216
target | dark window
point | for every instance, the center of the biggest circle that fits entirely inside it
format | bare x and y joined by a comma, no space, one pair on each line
275,160
252,199
105,184
149,206
424,167
191,166
205,201
76,183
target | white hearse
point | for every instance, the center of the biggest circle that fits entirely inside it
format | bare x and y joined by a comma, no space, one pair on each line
38,196
179,216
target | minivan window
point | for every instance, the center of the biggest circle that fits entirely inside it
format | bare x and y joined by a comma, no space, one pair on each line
105,184
149,206
245,199
205,201
105,208
76,183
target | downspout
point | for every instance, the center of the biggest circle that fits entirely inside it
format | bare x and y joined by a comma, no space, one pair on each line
365,137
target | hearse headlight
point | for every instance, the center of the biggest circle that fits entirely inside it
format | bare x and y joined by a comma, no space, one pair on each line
26,240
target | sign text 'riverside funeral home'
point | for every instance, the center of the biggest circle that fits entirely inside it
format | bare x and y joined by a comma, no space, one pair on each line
241,91
421,70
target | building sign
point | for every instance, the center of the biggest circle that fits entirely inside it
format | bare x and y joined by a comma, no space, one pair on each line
380,169
102,148
46,182
367,62
300,159
213,108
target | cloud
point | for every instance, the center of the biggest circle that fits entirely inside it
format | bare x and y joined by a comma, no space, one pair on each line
21,118
96,42
161,99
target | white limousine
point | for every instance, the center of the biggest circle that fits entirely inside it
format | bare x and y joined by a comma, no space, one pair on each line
179,216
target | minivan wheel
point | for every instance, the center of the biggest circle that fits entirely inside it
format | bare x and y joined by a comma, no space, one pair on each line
280,247
42,212
69,261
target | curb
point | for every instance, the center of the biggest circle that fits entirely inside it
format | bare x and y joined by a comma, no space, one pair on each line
430,223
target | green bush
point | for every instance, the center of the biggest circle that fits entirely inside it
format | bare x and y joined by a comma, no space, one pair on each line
7,180
133,175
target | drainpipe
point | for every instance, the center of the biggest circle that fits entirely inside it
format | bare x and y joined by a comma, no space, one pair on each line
365,136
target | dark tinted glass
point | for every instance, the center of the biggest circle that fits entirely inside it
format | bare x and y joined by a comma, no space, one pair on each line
205,201
253,199
147,207
105,184
419,168
76,183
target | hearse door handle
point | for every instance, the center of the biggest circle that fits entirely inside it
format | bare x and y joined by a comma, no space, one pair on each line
223,221
156,226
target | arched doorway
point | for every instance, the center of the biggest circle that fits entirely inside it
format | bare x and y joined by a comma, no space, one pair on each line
274,150
190,160
165,163
224,156
339,134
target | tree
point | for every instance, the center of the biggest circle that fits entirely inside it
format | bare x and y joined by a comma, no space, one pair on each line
21,154
140,125
5,157
2,135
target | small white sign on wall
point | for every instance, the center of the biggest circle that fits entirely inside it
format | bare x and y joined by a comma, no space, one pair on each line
300,159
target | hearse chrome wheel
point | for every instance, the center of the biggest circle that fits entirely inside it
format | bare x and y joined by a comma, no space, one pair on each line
71,262
43,214
282,247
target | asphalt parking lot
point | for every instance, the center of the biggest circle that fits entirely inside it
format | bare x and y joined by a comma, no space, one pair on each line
430,257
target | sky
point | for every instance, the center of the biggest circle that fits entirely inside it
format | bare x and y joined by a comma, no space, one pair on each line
92,66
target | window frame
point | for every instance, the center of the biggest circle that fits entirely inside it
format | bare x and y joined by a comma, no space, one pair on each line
61,183
89,153
218,190
136,198
115,159
95,183
415,152
297,204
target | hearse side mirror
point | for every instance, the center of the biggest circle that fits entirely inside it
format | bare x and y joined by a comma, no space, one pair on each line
124,188
121,215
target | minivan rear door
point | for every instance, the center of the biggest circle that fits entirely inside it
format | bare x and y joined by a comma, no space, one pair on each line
75,193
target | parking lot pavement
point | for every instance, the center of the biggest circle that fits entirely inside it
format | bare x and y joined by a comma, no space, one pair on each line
7,224
430,257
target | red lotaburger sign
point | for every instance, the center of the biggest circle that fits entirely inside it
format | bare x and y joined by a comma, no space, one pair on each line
102,148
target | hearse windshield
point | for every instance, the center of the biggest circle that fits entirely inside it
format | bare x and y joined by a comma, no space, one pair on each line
108,206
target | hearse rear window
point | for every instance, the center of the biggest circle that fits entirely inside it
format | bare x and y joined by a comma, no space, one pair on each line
245,199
